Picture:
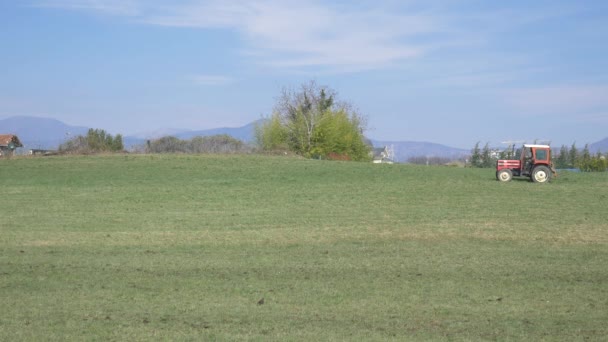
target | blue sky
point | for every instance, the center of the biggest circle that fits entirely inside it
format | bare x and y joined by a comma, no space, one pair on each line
453,71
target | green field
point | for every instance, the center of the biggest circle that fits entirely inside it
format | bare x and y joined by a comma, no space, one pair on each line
183,247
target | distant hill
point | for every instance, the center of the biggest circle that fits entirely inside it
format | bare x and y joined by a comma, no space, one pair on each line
601,146
407,149
47,133
245,133
35,132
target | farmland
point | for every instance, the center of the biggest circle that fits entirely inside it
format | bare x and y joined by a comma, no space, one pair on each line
184,247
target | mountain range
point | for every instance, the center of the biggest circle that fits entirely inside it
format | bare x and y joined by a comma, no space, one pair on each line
600,146
47,133
42,133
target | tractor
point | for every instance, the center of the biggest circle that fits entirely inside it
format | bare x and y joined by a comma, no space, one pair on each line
534,162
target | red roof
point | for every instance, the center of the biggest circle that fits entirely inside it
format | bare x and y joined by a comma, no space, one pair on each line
5,139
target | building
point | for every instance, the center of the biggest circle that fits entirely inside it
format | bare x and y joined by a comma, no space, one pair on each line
8,144
382,155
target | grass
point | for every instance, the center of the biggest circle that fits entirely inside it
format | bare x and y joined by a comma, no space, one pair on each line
180,247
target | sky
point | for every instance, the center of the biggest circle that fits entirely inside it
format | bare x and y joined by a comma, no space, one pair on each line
453,72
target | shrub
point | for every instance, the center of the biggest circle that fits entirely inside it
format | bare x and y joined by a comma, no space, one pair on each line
96,140
209,144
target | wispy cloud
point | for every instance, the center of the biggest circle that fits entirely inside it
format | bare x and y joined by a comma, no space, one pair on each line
583,101
337,36
293,34
289,34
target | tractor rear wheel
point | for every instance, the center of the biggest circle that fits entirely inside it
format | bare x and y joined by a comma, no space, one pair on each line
541,174
504,175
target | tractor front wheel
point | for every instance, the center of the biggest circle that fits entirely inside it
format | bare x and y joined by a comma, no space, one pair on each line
504,175
541,174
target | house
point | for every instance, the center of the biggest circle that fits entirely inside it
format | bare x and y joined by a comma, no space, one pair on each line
382,155
8,144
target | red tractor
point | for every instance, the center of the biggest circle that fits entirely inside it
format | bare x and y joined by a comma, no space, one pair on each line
534,162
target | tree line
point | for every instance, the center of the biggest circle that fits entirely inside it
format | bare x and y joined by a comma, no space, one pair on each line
564,158
581,159
95,141
222,143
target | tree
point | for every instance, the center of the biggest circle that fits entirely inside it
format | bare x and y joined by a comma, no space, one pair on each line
271,135
118,144
312,123
562,159
476,159
508,153
339,133
586,155
221,143
573,155
487,159
96,140
584,162
596,163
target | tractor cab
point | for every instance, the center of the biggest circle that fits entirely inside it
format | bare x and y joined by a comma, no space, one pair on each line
534,162
533,155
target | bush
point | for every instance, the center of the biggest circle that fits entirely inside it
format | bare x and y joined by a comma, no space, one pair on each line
310,122
593,164
96,140
210,144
